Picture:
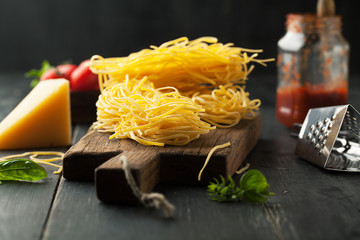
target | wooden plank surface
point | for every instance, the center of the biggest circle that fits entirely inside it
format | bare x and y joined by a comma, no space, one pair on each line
196,217
24,207
77,214
309,202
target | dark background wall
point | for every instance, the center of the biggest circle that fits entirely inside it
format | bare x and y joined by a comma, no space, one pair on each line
33,30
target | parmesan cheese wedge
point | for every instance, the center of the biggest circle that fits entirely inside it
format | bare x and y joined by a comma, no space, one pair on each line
42,118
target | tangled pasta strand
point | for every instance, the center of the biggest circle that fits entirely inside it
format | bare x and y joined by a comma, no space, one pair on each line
135,109
190,66
226,106
172,93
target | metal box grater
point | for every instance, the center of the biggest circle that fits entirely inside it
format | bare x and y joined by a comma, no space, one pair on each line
330,138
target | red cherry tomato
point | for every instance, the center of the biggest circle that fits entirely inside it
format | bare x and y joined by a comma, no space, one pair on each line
66,70
61,71
49,74
83,79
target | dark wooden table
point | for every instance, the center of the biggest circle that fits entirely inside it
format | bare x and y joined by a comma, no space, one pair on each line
309,202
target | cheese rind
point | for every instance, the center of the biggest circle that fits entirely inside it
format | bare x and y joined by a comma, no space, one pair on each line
42,118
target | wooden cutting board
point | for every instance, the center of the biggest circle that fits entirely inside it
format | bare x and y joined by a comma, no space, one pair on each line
96,157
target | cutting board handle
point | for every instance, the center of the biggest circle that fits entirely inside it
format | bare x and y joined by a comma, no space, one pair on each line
151,164
110,181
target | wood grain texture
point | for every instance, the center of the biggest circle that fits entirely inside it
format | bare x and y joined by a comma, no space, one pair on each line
151,164
24,206
309,202
78,214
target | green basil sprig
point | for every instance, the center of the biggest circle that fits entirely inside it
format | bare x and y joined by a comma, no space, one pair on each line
253,188
21,169
36,74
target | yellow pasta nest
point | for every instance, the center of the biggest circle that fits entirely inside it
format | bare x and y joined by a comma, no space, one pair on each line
172,93
226,106
190,66
135,109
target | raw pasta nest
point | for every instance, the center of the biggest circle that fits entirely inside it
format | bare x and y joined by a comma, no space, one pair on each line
173,93
135,109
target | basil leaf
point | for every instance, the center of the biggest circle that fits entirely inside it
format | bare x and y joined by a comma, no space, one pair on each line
21,169
221,192
36,73
45,65
255,186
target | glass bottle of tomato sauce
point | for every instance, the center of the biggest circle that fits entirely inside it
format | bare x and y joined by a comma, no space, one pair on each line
312,67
